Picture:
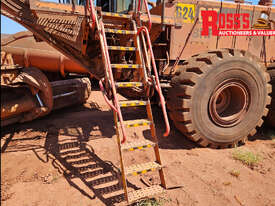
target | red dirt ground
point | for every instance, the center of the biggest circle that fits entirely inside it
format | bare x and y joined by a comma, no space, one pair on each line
35,173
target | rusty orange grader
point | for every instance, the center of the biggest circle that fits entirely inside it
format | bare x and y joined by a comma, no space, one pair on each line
217,88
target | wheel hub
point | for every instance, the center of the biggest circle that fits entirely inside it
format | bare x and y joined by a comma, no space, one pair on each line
229,103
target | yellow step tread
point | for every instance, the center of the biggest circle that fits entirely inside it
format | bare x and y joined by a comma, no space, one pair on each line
122,48
137,145
136,123
142,168
129,84
145,192
126,66
132,103
120,31
110,14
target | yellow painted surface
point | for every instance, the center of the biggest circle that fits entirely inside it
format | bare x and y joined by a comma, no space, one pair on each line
185,13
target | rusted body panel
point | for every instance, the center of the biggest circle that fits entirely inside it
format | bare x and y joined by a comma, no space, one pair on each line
21,59
198,43
20,105
64,31
26,52
13,106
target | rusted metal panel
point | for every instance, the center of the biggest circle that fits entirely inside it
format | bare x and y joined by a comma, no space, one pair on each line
45,60
23,102
26,52
198,43
54,34
56,7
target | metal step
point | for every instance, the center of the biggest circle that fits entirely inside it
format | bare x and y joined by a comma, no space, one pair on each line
137,145
122,48
110,14
128,84
141,168
136,123
119,31
132,103
126,66
145,192
110,25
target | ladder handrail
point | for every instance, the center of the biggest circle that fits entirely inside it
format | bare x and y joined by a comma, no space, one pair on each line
147,10
92,13
109,70
162,100
105,97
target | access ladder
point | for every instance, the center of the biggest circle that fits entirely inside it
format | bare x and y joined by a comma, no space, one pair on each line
111,86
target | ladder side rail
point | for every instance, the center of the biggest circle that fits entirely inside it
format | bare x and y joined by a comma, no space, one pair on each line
140,56
109,68
148,62
158,88
105,97
104,55
93,16
109,73
123,177
147,10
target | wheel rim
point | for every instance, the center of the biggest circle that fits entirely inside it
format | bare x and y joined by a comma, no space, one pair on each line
229,103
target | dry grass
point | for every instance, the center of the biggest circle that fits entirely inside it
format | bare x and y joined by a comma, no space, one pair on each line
152,202
235,173
246,157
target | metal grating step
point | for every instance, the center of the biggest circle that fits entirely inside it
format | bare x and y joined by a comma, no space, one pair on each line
142,168
110,25
110,14
137,145
128,84
145,192
122,48
132,103
126,66
120,31
136,123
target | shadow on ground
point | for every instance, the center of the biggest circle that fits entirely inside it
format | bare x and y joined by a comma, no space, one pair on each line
77,160
74,158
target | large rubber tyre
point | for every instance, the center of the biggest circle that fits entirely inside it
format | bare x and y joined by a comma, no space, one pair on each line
218,98
271,114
